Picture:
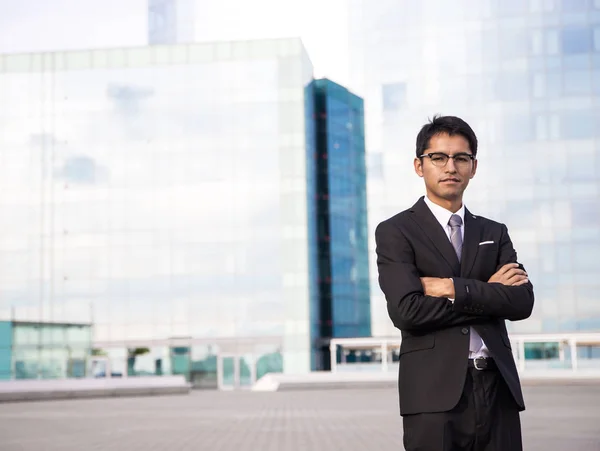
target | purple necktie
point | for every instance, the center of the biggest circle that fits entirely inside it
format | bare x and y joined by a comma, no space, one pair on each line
455,236
455,224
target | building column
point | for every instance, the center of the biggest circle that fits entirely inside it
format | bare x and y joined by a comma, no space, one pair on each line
561,352
384,356
521,346
333,356
573,346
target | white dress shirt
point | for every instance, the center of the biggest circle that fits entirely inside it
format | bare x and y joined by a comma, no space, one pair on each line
443,216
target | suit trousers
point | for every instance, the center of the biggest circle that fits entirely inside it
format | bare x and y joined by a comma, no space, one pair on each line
486,418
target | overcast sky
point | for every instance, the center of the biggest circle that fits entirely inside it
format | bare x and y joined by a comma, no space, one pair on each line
47,25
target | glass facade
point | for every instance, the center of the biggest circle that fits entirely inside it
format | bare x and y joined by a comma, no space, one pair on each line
161,194
342,215
30,350
6,350
526,76
314,257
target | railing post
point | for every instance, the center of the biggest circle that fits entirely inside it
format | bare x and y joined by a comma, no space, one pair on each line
333,356
561,352
573,346
384,356
521,345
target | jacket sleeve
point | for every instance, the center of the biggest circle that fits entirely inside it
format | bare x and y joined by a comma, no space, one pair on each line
495,299
408,307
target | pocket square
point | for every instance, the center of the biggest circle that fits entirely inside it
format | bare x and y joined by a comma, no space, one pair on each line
486,242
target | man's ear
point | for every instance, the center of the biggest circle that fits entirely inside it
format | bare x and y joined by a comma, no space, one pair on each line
419,167
474,170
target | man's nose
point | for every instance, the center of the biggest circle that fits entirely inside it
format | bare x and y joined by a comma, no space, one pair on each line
450,167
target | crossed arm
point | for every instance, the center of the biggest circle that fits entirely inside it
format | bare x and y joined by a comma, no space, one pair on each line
416,303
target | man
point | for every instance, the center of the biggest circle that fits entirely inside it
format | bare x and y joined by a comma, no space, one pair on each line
451,279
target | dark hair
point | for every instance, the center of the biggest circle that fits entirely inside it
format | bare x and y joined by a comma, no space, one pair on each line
450,125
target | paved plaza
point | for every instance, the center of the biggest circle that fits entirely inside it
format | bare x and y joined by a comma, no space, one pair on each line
558,418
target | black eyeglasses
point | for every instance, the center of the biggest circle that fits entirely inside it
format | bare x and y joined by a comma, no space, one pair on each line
441,159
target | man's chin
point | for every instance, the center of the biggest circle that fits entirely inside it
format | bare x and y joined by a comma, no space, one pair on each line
451,196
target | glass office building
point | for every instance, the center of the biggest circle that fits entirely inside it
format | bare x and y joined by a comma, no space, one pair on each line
526,76
167,195
160,193
344,290
186,21
170,21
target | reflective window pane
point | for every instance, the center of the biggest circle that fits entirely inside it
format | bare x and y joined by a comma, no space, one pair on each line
576,40
575,5
577,82
577,124
394,96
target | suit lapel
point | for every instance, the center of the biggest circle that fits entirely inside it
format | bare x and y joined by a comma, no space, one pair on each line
431,227
471,242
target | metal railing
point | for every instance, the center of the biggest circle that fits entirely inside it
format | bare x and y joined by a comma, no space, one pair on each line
564,343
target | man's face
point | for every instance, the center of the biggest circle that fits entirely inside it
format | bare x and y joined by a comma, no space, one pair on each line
446,178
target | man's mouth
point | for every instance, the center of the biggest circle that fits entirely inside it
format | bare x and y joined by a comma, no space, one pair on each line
450,180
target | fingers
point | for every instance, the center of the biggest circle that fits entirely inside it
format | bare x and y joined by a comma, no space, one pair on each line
517,280
507,268
515,272
520,282
516,277
510,275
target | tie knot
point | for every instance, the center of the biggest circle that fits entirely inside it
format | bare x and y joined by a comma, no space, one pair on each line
455,221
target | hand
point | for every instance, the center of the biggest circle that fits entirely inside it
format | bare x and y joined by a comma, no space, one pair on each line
440,288
510,275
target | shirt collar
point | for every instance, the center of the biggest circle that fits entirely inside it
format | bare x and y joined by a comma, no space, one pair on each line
442,215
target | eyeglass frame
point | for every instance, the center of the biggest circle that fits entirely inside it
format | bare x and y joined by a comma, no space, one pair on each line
448,157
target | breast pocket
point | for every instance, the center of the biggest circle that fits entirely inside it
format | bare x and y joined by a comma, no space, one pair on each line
412,344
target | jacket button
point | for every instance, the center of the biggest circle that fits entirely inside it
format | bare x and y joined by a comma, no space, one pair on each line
465,331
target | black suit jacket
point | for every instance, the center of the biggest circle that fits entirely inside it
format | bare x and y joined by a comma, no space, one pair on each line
435,332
